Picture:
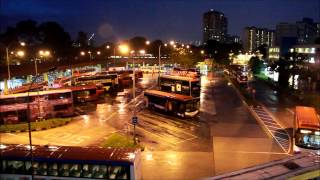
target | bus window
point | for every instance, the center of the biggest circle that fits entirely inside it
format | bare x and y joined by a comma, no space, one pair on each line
14,167
40,168
75,170
53,169
87,170
99,171
64,170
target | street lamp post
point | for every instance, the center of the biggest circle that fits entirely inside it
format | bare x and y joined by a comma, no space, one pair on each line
8,63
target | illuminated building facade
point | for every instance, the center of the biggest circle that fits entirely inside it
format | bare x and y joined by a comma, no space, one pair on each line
254,37
215,26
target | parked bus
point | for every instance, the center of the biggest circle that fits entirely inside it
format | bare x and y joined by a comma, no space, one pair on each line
108,81
189,86
67,162
175,104
36,86
42,104
307,129
62,82
84,93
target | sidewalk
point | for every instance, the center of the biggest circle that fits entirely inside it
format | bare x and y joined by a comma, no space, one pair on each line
308,98
279,169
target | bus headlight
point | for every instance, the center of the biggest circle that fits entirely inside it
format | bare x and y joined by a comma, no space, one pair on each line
305,131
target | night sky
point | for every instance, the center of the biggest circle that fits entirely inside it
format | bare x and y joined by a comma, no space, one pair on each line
155,19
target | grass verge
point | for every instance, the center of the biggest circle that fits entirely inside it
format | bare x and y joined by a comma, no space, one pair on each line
45,124
116,140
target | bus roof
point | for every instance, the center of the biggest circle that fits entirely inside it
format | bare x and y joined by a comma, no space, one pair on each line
182,78
306,117
68,153
55,91
81,87
168,95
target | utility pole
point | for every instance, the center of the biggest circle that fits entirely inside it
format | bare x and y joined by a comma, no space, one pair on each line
8,63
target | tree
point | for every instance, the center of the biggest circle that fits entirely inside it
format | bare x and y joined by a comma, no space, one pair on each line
82,39
220,51
256,65
27,31
290,65
53,36
137,43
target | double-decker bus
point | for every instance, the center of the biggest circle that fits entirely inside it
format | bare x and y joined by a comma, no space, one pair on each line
175,104
306,130
184,85
84,93
36,86
43,104
67,162
62,82
125,76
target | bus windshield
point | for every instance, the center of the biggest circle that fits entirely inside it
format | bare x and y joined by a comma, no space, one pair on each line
192,105
307,128
305,138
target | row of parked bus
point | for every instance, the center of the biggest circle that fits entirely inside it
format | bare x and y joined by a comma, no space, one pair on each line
178,94
58,101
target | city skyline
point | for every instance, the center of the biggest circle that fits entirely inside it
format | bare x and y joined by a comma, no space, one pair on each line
110,21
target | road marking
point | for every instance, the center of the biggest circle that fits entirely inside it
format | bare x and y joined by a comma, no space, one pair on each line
292,112
284,142
177,129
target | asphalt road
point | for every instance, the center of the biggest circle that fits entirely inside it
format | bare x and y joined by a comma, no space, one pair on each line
224,137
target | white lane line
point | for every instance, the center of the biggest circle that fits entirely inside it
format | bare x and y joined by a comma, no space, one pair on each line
292,112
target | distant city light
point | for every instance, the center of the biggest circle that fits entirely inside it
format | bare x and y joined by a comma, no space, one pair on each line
20,53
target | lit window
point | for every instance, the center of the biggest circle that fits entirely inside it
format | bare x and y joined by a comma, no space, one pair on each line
312,60
313,50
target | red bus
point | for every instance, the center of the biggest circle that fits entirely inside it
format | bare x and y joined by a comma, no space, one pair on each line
37,86
125,76
42,104
307,129
67,162
84,93
108,82
62,82
175,104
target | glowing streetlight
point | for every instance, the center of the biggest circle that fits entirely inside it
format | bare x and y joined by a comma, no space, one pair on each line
98,52
174,46
202,51
147,42
190,51
165,44
142,51
188,46
22,43
44,53
82,53
171,42
20,53
47,53
124,48
108,47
